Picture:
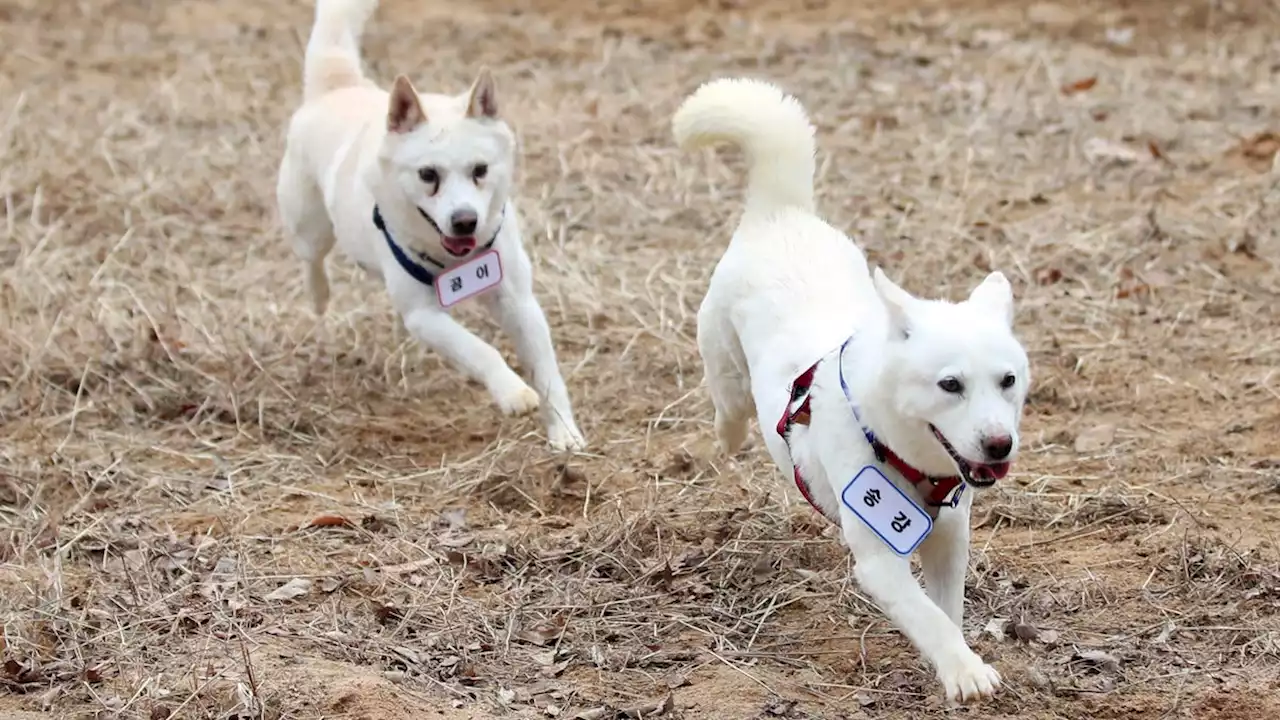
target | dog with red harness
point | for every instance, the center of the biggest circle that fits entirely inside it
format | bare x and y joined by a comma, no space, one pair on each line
885,408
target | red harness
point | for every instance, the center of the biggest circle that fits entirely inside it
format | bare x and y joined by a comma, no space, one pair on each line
942,491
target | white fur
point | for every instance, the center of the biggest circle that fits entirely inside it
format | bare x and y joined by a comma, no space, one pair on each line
352,144
789,289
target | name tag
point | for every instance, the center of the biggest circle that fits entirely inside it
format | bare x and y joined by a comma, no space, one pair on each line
878,503
480,273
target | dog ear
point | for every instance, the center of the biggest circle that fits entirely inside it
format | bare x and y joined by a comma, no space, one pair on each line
405,112
482,102
996,293
896,300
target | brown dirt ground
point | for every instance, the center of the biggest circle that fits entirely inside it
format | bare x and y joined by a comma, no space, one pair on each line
174,419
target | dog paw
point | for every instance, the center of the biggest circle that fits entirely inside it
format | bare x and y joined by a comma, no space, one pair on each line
519,400
562,437
968,678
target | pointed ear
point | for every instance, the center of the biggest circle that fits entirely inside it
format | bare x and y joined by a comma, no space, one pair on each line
996,294
896,300
482,102
405,111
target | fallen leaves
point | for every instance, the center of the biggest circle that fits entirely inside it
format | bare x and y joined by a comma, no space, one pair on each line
1079,86
1099,659
324,521
1260,149
1002,629
291,590
1100,151
542,633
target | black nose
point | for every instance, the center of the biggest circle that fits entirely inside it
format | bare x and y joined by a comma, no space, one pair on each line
463,222
998,448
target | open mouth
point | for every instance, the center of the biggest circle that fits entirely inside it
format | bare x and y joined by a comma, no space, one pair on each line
455,246
977,474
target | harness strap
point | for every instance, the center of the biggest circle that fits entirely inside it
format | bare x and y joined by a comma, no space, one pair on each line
797,413
415,270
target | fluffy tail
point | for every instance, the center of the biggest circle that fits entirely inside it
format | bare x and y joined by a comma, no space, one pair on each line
333,52
769,125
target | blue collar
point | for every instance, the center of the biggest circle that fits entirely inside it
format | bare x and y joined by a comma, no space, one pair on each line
416,270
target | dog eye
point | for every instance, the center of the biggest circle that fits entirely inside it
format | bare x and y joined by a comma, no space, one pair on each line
480,171
1008,381
951,385
429,175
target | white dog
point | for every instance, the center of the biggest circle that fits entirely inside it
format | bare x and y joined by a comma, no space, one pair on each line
417,189
879,403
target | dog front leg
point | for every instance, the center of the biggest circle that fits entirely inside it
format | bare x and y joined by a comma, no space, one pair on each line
944,558
887,578
473,356
523,321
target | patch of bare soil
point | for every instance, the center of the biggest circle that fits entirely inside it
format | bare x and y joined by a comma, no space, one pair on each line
213,504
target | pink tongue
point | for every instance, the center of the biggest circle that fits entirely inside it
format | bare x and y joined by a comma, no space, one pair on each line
459,246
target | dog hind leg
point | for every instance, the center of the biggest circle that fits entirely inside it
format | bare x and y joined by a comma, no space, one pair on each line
730,391
307,224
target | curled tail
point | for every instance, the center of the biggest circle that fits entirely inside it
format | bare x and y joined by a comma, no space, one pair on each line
333,52
769,125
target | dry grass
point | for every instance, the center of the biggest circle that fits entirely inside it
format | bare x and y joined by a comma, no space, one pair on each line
182,438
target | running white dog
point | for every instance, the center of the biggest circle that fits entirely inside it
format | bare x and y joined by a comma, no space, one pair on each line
417,190
921,399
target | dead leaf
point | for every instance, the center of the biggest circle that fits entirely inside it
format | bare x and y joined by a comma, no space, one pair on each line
997,629
1155,150
387,614
92,675
1025,632
1101,659
374,524
295,588
675,680
1104,152
1262,147
329,521
330,584
455,541
662,577
408,654
551,671
594,713
1079,86
1048,276
1095,439
543,632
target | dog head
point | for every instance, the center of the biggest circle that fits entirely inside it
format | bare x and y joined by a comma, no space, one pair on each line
455,166
958,377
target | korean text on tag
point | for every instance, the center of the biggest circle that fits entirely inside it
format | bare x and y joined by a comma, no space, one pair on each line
469,279
899,522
